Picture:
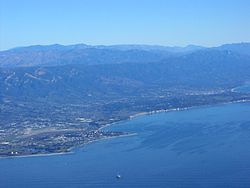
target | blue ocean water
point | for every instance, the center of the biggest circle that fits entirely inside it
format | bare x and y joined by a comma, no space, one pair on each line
202,147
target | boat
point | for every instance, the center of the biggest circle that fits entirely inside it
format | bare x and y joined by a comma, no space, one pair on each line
118,176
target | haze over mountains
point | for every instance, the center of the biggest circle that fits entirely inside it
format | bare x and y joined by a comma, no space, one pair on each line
54,55
59,71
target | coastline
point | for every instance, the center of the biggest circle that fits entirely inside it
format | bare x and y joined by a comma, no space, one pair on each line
101,139
108,138
70,150
184,108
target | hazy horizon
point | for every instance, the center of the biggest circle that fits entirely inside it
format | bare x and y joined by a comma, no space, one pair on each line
117,44
171,23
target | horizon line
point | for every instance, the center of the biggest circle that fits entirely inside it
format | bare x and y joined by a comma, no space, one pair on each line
124,44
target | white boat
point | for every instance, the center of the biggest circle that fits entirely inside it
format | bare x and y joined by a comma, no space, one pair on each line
118,176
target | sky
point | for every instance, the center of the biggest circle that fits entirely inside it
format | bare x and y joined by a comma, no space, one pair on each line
107,22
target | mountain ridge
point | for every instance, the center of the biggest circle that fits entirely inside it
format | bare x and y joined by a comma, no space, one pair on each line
57,55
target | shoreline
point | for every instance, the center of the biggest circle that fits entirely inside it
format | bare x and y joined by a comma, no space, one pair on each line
183,109
97,140
107,138
70,150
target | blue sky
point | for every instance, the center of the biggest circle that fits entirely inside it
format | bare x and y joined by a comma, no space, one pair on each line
164,22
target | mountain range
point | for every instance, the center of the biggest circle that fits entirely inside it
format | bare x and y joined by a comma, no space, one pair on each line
54,55
76,71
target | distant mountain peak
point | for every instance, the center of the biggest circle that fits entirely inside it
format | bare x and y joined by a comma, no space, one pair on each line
240,48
